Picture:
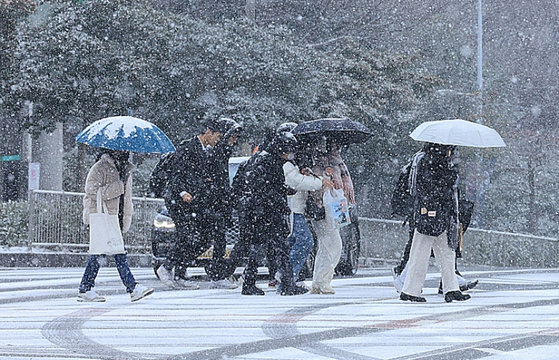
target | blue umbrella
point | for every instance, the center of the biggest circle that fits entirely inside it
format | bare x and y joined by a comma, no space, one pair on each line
126,133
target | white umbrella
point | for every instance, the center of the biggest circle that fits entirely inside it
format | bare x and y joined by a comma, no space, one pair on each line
457,132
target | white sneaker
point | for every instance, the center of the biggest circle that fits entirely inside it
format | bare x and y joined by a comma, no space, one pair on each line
90,296
140,292
184,284
223,284
166,276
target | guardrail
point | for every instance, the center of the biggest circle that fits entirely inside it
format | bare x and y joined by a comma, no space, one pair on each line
386,239
55,221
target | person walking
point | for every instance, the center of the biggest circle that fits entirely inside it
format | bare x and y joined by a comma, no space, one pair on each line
301,239
111,176
328,164
190,196
434,192
265,203
401,206
217,269
239,193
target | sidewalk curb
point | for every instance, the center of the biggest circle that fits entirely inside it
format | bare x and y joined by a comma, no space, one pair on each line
28,259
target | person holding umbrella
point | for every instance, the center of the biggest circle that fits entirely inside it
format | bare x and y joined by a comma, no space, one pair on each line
111,176
434,192
108,186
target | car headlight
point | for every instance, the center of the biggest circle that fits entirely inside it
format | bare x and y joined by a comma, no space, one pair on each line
163,222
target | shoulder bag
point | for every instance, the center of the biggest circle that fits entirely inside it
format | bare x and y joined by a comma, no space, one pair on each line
105,236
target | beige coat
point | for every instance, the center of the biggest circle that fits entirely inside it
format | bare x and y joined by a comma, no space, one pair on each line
104,175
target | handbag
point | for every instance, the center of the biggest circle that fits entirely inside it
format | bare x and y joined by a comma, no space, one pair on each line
105,236
313,211
337,208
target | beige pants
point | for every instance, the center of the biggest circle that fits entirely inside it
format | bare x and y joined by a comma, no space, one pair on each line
419,263
328,254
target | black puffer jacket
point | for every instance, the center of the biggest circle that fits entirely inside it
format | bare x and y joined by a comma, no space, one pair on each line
266,194
435,204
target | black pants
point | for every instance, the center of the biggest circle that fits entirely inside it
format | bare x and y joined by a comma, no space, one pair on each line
241,249
193,237
268,232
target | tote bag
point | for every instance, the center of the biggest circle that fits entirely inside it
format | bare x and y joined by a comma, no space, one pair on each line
337,208
105,236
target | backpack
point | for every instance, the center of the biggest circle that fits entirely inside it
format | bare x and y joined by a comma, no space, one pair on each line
159,176
401,202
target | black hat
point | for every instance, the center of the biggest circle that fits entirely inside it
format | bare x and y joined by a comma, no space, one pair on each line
230,126
438,149
215,125
282,143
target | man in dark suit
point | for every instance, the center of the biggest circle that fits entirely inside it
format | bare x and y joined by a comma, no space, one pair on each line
190,196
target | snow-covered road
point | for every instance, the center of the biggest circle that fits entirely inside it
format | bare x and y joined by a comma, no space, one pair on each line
513,314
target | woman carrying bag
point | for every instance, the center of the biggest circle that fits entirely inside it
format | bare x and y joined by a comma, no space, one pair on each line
109,180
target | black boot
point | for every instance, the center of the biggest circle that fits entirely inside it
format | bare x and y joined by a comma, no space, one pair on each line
252,290
469,285
411,298
294,290
456,295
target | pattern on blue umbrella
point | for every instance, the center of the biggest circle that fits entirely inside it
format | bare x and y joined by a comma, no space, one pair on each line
126,133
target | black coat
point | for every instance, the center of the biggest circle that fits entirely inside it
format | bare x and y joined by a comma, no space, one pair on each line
265,191
435,201
191,169
219,168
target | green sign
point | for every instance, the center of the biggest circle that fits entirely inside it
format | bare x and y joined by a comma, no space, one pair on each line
10,157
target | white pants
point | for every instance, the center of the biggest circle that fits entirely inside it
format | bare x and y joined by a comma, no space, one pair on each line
328,254
419,263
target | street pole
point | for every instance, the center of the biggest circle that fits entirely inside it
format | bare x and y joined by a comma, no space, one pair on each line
480,61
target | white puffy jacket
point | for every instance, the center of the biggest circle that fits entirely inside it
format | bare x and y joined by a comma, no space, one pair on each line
302,183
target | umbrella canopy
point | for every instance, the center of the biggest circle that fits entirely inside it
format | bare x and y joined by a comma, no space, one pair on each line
457,132
344,130
126,133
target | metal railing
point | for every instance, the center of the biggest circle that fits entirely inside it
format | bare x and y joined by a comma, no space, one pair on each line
55,220
385,240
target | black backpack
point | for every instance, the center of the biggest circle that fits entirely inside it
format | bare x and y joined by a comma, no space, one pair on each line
401,202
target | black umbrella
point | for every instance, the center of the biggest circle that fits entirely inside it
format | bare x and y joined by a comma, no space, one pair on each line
343,130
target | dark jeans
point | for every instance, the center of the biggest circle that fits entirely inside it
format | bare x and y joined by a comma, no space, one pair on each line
92,269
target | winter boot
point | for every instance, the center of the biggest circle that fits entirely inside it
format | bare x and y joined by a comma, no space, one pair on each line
252,290
456,295
411,298
469,285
